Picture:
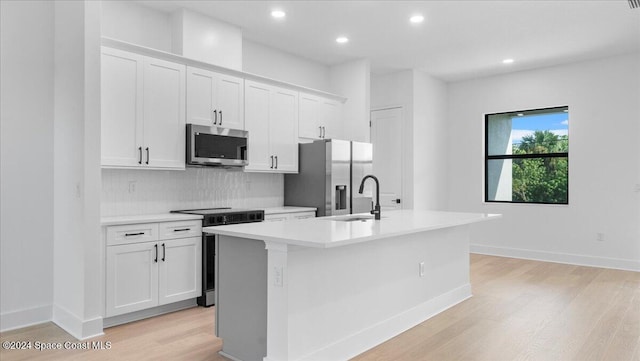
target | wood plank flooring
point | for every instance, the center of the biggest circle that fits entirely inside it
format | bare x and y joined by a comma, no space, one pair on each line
521,310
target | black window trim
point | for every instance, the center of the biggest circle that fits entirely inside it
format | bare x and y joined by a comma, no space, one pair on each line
488,157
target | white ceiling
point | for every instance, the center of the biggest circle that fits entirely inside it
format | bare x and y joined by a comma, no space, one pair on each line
457,40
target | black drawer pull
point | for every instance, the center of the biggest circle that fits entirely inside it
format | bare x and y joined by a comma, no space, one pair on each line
182,229
133,234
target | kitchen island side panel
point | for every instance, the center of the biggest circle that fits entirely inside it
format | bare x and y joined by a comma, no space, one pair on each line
241,307
345,300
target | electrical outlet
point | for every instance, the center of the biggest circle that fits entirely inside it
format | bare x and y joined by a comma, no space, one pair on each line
132,186
600,237
421,269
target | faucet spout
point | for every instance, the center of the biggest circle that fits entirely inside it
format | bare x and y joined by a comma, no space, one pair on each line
376,209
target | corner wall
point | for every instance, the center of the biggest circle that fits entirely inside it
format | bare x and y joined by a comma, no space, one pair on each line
604,163
26,158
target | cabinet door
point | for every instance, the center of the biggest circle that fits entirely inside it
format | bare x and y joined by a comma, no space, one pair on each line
180,268
132,278
164,114
309,125
257,124
230,101
331,113
283,129
121,108
200,88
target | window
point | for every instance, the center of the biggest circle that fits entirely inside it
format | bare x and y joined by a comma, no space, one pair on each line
527,156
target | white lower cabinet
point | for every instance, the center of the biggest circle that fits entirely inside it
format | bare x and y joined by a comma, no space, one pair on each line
277,217
145,273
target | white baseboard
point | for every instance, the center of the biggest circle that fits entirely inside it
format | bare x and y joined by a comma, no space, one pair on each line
580,260
24,318
80,329
368,338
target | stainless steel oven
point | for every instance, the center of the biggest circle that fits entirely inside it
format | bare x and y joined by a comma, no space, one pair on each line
217,217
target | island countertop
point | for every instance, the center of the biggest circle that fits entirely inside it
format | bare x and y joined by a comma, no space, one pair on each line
328,232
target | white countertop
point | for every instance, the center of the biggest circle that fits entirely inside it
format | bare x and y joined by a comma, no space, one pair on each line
288,209
323,232
147,218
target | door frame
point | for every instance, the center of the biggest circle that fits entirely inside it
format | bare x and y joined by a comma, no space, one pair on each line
403,151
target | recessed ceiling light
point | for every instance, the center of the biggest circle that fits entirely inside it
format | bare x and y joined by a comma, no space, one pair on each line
507,61
342,39
278,14
416,19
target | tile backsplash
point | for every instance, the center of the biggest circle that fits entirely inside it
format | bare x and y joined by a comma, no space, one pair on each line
131,192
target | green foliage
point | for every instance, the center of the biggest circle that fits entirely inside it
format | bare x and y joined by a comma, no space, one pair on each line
541,180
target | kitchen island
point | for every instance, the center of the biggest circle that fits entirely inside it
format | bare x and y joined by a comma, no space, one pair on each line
330,288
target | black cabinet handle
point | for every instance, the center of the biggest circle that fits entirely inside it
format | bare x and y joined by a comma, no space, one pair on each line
156,247
320,129
271,162
324,132
276,162
220,117
215,116
140,154
133,234
147,162
182,229
164,252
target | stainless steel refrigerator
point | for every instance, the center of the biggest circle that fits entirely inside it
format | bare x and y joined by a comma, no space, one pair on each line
329,174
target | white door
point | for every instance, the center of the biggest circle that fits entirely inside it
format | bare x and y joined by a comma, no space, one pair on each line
309,116
230,101
132,278
200,88
283,129
121,108
257,124
164,114
386,136
180,269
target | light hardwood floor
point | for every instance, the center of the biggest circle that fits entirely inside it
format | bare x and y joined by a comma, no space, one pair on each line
521,310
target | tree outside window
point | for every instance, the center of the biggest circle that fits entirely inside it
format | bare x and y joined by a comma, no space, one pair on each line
527,156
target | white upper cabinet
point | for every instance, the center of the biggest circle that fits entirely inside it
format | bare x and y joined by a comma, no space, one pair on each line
143,111
121,105
271,117
214,99
164,117
319,117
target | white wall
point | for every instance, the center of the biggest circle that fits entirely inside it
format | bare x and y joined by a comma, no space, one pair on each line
272,63
137,24
26,158
191,189
604,111
352,80
430,166
76,212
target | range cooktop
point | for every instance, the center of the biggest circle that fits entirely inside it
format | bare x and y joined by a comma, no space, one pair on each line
225,215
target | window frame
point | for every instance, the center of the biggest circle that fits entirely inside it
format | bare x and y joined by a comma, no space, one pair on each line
488,157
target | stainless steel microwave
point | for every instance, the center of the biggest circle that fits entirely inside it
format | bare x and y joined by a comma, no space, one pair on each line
216,146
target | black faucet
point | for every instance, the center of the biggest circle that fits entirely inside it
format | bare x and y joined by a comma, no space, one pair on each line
376,210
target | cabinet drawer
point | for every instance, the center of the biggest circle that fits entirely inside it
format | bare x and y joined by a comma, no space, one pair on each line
132,233
275,217
303,215
180,229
